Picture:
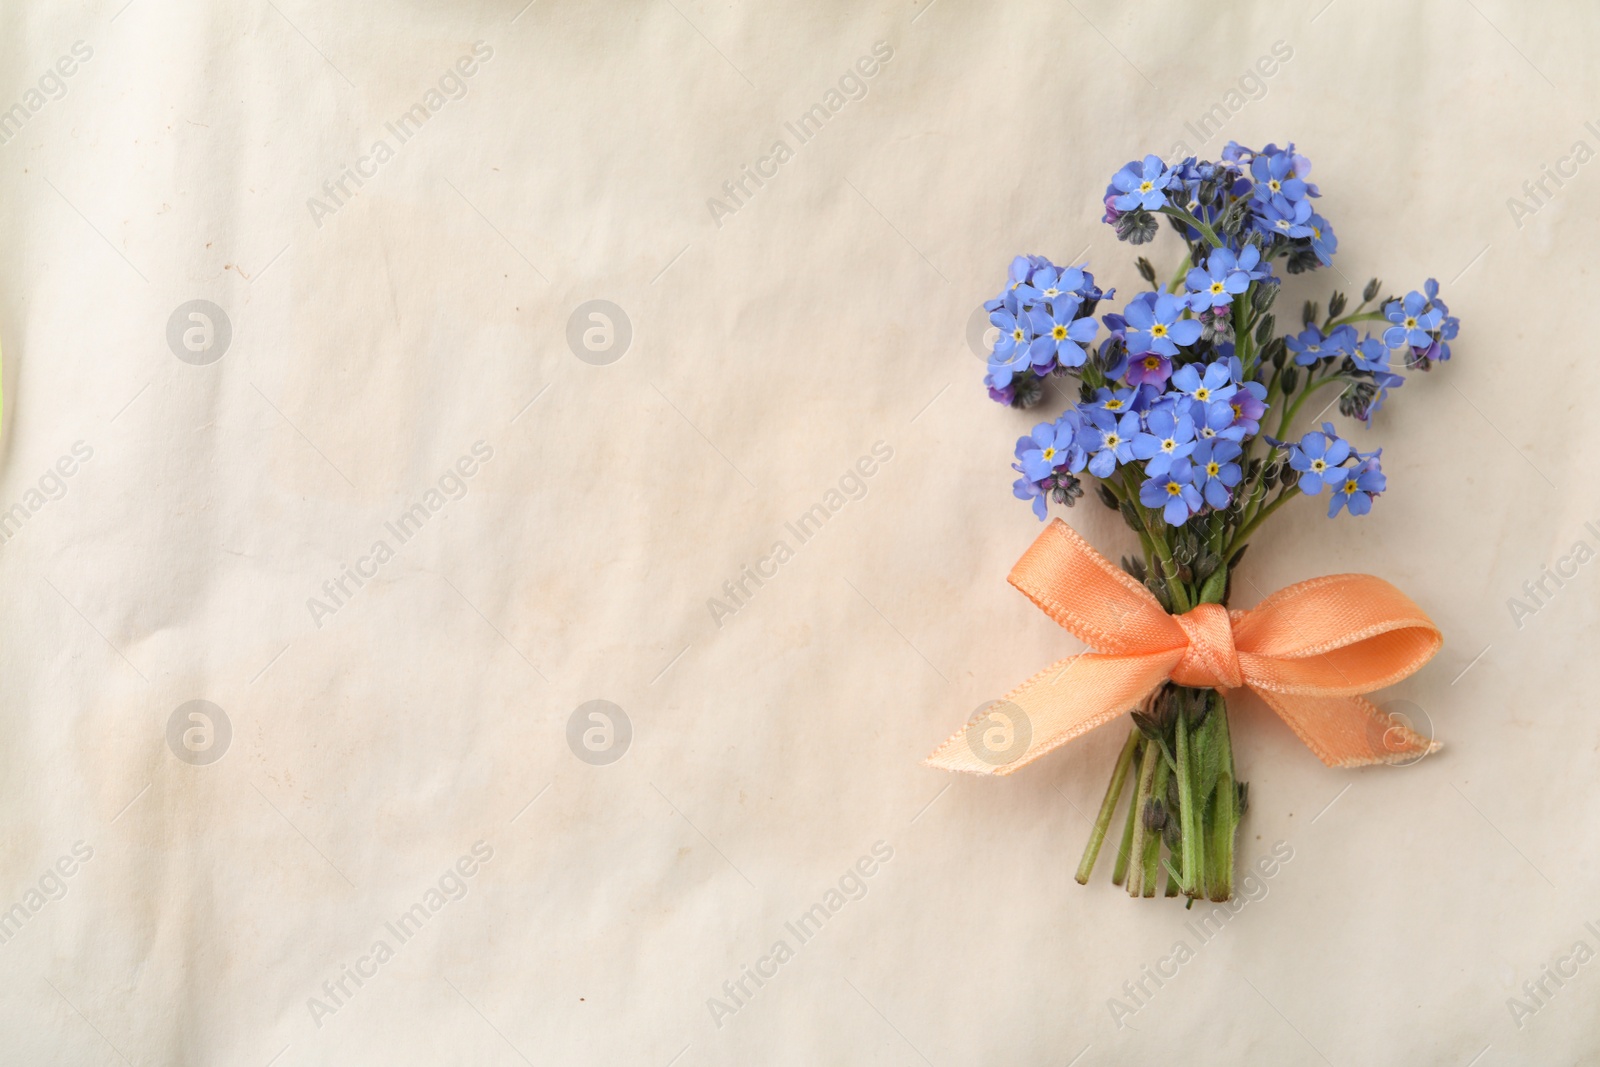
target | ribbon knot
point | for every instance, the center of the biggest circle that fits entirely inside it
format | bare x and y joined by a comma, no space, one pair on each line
1212,660
1307,651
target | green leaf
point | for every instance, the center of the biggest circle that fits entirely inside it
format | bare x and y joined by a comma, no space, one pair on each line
1210,759
1211,592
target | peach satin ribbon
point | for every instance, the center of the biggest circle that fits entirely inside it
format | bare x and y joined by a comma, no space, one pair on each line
1309,651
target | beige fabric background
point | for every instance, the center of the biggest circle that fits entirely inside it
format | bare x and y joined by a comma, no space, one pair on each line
374,342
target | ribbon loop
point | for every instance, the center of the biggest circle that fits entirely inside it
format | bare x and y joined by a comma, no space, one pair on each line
1091,598
1308,651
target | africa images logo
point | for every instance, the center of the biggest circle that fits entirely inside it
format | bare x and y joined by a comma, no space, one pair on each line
452,485
852,85
452,85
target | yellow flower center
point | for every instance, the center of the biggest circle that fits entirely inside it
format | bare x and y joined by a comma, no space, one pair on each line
1202,394
1158,330
1213,468
1151,362
1017,334
1319,465
1049,453
1113,440
1275,185
1350,487
1059,333
1113,405
1145,187
1173,488
1411,322
1168,445
1216,288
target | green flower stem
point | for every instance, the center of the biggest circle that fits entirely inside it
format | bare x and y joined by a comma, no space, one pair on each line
1183,216
1257,494
1184,267
1226,821
1200,826
1243,319
1152,843
1125,848
1201,853
1294,409
1108,806
1213,534
1274,393
1244,533
1169,569
1186,803
1365,316
1255,513
1274,397
1118,490
1166,757
1257,497
1201,866
1147,777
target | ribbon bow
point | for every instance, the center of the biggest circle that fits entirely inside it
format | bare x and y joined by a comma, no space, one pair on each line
1308,651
